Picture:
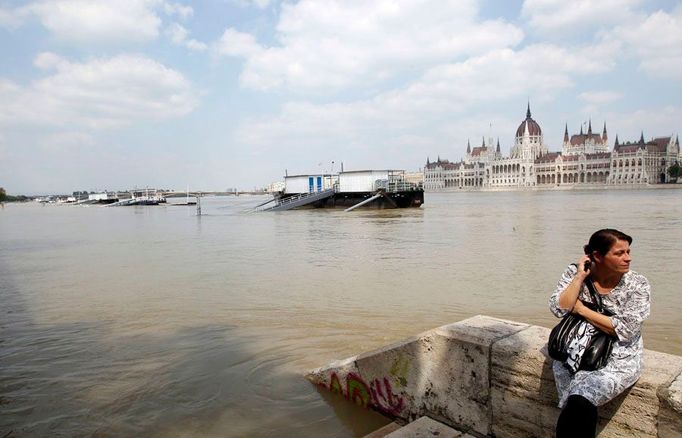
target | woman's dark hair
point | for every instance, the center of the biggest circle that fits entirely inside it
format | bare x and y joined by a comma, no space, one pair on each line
602,241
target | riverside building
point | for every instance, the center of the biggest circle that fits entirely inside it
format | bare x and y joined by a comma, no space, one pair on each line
585,159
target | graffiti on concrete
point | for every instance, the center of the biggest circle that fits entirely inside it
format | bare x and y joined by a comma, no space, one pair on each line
399,370
335,385
384,398
378,394
358,392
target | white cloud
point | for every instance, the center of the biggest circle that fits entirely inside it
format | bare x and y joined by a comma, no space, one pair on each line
9,19
177,33
600,97
420,113
179,36
260,4
97,21
654,122
560,18
49,60
98,93
67,141
537,70
657,41
596,101
93,22
178,9
335,44
235,43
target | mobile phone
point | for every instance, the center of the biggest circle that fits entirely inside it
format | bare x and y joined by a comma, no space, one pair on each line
587,265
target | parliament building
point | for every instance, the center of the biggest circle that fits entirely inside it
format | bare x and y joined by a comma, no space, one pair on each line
585,160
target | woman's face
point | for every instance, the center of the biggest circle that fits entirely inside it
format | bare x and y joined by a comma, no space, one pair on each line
618,258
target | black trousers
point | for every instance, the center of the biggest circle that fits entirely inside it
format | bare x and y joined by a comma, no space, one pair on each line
578,419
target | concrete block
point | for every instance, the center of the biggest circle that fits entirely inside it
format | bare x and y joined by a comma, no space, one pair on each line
523,392
670,413
442,373
425,427
382,432
389,380
463,399
491,377
481,329
637,411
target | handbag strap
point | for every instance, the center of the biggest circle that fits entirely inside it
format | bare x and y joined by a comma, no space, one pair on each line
593,292
595,295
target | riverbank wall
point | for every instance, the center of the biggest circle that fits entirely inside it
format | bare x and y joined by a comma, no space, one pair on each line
560,188
493,378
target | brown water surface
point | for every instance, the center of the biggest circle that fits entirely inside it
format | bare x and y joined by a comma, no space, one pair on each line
149,320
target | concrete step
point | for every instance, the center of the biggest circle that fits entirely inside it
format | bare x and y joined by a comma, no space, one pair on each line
381,433
423,427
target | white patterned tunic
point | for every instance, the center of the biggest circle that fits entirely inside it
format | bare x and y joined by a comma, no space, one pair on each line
629,304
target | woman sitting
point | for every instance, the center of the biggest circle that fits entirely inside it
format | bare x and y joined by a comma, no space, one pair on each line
625,295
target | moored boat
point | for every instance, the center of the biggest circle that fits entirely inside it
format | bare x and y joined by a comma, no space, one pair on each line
377,189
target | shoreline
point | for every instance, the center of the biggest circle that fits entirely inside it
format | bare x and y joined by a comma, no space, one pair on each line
559,188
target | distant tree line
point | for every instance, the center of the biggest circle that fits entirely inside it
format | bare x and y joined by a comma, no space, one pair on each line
4,197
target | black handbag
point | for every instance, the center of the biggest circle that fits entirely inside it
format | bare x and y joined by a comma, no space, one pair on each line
598,349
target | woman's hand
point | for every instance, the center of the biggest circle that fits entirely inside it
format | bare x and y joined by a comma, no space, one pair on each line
569,297
582,272
578,307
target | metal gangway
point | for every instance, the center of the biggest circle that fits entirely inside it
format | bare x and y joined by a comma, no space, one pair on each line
366,201
299,200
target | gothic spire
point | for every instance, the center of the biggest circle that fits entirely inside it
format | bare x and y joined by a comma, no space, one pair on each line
498,145
589,127
616,143
641,138
603,135
528,111
468,147
581,130
427,161
566,134
483,144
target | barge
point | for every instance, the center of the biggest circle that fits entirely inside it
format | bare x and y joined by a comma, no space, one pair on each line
376,189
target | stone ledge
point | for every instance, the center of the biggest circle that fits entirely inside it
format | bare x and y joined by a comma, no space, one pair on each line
382,432
425,427
492,377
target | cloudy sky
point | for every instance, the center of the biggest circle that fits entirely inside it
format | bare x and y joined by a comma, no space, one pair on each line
230,93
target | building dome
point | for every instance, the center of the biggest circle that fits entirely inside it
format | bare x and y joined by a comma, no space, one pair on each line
532,125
